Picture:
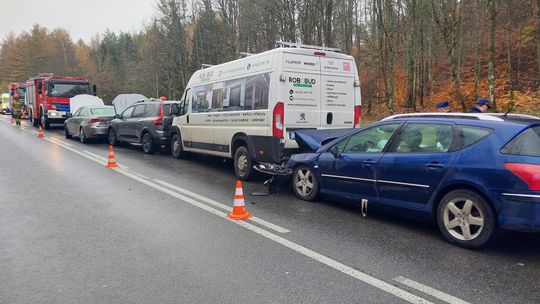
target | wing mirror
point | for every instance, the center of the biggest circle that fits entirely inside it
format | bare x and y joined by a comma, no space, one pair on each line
116,116
69,115
335,151
175,109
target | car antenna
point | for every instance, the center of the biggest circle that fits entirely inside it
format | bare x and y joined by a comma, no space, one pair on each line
510,109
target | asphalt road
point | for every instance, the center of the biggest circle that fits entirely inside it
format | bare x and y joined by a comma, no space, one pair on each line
154,231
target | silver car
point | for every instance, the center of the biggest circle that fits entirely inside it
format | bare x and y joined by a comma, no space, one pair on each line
89,122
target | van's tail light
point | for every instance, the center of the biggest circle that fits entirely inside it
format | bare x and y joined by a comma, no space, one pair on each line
357,114
159,120
529,173
278,119
318,53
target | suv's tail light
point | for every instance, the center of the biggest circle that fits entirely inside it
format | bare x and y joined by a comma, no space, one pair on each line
159,119
278,119
529,173
357,114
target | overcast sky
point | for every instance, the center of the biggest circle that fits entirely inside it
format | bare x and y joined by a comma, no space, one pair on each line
82,19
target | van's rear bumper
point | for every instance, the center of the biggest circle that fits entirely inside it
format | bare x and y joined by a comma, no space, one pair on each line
267,149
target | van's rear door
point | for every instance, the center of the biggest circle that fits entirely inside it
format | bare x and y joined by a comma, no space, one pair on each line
337,92
302,92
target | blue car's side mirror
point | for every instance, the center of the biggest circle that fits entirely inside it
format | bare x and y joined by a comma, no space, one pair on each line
335,151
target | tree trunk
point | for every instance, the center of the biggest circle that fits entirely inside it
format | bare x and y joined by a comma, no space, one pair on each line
492,13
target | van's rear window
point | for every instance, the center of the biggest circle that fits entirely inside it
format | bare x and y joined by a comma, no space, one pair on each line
527,143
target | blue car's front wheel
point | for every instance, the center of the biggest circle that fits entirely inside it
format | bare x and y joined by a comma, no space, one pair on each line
305,183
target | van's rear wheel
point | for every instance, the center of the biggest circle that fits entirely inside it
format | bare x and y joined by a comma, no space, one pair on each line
243,164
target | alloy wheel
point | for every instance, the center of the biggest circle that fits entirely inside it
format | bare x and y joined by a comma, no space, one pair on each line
463,219
304,182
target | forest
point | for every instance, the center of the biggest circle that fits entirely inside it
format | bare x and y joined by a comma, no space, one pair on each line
410,54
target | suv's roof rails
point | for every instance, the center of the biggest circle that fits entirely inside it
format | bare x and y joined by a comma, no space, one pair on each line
478,116
244,55
306,46
205,66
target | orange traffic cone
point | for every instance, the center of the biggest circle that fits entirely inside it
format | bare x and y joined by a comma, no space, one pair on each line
239,207
40,132
111,162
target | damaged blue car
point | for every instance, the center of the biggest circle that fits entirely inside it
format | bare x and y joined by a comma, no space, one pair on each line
470,173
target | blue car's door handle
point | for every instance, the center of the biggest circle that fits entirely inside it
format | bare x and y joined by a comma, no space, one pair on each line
435,165
369,162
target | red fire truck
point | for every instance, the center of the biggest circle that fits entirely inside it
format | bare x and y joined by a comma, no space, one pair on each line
47,97
19,89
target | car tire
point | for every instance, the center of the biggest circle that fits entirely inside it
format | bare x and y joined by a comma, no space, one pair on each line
45,122
68,136
35,122
148,145
305,183
177,149
82,136
466,219
243,164
113,139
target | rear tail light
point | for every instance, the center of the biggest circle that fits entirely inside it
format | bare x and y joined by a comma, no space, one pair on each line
159,120
278,119
95,120
529,173
319,53
357,115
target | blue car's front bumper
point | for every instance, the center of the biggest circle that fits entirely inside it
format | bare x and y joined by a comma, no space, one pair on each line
520,212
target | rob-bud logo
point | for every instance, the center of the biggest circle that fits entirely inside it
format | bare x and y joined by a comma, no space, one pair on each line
347,66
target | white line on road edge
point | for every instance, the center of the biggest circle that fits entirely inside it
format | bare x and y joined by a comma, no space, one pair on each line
430,291
103,159
61,141
382,285
221,206
405,295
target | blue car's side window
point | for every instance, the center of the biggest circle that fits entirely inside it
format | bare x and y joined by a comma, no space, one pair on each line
372,140
425,138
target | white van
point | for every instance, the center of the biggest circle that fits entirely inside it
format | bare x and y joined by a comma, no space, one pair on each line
248,109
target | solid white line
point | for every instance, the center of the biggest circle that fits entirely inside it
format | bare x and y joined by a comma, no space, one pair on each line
61,141
384,286
221,206
430,291
96,156
400,293
34,131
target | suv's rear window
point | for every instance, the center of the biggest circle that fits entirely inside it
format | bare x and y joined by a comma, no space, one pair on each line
527,143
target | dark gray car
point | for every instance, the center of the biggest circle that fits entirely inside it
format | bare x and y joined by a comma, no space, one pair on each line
146,123
89,122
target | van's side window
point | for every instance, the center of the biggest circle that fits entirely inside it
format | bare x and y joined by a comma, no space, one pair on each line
246,93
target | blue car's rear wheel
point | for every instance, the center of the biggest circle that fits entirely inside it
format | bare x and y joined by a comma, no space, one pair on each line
466,219
305,183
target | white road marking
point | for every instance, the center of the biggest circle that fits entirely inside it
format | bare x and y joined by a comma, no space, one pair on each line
430,291
384,286
221,206
104,159
61,141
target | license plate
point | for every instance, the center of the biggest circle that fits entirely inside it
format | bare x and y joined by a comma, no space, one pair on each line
291,135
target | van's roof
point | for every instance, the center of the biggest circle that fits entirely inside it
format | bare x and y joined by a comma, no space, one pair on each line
299,51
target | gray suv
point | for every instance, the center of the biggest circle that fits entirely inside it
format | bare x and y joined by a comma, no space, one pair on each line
146,122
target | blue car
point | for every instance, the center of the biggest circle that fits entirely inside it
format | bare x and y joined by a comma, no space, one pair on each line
470,173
